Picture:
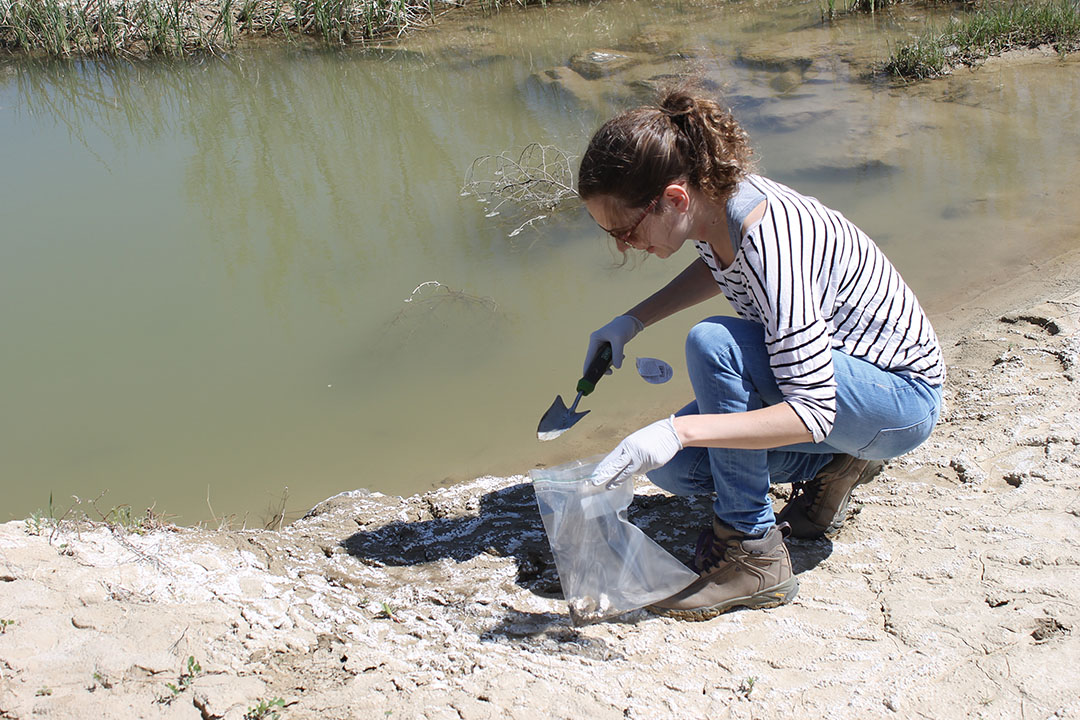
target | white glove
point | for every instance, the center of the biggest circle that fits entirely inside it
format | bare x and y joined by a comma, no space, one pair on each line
647,449
618,332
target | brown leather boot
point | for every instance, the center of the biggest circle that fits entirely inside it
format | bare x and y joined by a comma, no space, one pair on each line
819,507
735,571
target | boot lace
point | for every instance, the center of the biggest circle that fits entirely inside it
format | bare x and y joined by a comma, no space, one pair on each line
806,494
709,552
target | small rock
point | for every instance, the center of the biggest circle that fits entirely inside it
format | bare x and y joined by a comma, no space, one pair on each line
967,471
595,64
1048,628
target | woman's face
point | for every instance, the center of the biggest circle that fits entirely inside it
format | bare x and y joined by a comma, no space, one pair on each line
654,228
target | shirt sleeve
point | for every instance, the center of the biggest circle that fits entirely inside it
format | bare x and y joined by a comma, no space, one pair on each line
779,280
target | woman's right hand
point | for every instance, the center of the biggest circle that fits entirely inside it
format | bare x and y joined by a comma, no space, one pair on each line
649,448
618,332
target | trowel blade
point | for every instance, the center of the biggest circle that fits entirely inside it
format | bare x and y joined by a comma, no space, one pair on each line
557,420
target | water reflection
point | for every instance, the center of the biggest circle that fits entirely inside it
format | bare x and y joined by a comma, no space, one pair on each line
328,158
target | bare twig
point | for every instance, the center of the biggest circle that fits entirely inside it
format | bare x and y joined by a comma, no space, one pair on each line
432,294
538,183
278,518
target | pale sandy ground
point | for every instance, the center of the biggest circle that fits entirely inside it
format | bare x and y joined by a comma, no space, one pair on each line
951,593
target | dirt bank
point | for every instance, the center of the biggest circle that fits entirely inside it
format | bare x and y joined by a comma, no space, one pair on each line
951,593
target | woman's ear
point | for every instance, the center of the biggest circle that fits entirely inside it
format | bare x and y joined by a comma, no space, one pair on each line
677,196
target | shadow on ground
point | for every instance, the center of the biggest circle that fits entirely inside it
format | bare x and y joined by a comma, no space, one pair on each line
506,523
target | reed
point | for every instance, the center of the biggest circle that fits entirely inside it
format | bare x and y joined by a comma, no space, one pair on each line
65,28
829,9
987,32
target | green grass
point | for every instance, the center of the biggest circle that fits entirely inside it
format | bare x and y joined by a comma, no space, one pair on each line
988,32
139,28
117,518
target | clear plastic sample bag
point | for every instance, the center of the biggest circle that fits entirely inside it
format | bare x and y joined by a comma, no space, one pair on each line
606,565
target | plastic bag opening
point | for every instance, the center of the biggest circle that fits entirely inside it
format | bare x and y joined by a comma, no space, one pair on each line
606,565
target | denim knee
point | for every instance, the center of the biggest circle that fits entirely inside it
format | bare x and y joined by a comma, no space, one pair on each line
713,337
728,365
734,342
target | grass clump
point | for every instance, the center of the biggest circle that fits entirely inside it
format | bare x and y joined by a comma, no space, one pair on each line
988,32
387,612
119,519
142,28
60,28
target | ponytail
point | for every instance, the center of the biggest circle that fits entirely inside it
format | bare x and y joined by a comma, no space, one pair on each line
685,137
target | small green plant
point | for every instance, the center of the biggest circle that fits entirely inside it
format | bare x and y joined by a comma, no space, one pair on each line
43,691
36,524
99,681
747,686
39,521
186,677
4,624
265,710
121,515
388,613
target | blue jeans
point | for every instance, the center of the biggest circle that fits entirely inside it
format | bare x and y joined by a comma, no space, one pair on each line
879,415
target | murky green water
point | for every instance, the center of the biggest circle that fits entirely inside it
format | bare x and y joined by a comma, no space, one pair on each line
203,266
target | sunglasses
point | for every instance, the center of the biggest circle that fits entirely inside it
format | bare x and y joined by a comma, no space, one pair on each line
623,238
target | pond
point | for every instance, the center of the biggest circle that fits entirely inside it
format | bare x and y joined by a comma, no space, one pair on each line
234,285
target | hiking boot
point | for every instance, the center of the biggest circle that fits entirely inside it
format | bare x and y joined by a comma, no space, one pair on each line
735,571
818,507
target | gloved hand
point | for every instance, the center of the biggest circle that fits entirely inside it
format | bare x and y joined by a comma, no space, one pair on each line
618,332
647,449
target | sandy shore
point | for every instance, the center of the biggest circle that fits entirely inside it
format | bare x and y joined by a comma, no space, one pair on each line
952,592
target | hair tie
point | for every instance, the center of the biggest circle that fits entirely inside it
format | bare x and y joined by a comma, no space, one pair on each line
677,105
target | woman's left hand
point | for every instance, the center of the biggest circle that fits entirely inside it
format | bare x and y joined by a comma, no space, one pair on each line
647,449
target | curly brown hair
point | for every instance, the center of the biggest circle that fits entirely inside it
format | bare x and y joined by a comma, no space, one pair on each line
639,152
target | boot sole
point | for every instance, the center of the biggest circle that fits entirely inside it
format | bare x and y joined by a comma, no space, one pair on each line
775,596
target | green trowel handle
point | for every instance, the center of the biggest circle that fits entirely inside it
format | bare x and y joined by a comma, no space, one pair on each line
596,370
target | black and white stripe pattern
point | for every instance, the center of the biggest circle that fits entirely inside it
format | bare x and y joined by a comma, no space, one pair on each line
817,282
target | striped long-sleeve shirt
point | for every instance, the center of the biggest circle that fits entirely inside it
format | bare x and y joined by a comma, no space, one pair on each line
817,283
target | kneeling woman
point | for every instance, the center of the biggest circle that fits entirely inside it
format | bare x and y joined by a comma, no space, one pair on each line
830,367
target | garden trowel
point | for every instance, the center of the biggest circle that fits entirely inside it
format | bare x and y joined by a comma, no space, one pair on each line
559,418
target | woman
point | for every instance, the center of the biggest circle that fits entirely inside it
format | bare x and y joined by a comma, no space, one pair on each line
830,367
